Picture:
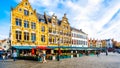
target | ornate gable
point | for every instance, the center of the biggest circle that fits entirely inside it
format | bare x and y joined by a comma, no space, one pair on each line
64,23
65,19
54,19
24,9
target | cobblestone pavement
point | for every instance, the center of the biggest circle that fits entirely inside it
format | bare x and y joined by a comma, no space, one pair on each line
103,61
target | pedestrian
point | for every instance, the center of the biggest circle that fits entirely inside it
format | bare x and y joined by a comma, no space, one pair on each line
14,55
97,53
44,60
8,55
106,53
3,56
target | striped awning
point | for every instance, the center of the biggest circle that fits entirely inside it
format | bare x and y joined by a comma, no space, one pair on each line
23,47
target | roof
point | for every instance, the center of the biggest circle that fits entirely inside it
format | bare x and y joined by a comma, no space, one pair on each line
59,22
40,16
78,30
47,18
1,41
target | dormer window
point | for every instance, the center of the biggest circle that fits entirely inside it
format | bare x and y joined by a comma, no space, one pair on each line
20,9
26,12
26,4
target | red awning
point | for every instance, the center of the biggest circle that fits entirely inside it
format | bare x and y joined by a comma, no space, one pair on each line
42,47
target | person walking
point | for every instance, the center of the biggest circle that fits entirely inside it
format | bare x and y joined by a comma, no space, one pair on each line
3,56
14,55
44,58
97,53
106,53
8,55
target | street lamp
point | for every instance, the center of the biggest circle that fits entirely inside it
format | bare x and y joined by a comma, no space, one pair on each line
58,50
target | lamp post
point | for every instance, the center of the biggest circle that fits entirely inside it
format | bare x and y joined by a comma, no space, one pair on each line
58,50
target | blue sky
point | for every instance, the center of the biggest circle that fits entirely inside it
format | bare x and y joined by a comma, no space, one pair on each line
100,19
5,7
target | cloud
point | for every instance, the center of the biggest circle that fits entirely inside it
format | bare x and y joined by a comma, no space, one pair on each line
112,30
92,16
5,29
5,25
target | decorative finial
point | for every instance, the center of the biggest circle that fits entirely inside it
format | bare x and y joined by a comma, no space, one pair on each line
64,14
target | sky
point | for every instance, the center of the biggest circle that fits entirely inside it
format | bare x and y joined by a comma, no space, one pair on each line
100,19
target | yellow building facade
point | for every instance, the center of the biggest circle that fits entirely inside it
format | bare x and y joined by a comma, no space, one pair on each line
24,24
29,28
59,31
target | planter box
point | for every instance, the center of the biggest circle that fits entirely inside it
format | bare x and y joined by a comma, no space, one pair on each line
28,58
80,55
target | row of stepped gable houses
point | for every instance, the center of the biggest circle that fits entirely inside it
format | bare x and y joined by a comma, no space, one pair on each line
32,32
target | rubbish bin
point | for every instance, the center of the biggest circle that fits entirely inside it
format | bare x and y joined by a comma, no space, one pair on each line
80,55
40,59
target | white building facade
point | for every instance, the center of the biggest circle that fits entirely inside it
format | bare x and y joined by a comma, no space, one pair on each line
109,43
79,38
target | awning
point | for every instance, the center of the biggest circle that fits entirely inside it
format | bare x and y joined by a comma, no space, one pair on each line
61,49
42,47
78,48
89,49
23,47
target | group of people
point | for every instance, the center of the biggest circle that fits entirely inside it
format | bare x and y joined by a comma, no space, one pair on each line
41,56
8,55
98,53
